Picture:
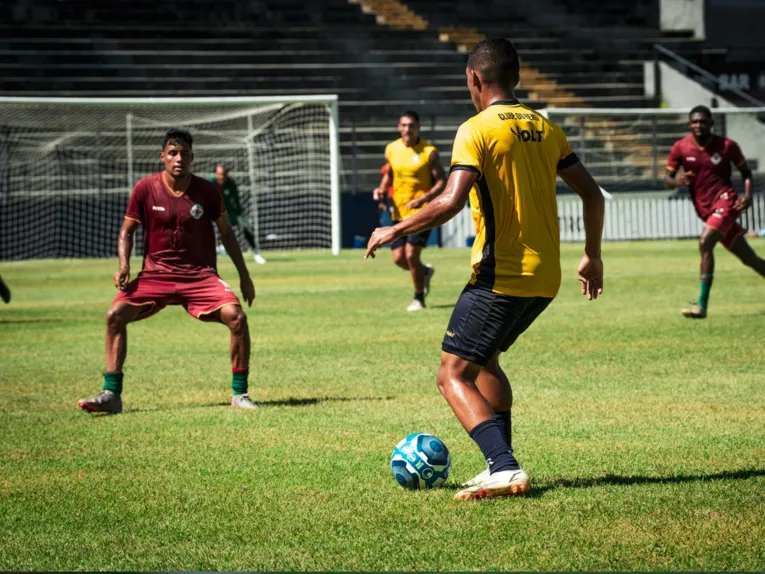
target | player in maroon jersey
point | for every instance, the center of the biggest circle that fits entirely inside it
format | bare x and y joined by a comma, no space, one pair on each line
706,161
177,210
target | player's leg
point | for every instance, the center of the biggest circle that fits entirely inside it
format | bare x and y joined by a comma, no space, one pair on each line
740,247
121,313
211,299
709,238
417,270
398,253
516,314
5,293
140,299
482,325
421,273
494,386
234,317
457,383
249,237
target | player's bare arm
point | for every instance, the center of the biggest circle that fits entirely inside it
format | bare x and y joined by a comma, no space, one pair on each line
744,201
447,205
439,182
673,179
229,241
124,249
590,269
387,179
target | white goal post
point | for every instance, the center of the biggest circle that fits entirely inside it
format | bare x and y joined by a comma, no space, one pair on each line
67,166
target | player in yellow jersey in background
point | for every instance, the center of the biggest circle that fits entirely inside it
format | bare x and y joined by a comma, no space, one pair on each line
417,177
505,159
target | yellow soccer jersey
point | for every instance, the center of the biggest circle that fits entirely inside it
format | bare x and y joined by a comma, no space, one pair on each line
516,153
412,177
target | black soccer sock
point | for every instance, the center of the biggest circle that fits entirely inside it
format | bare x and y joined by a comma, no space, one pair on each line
488,436
504,420
420,297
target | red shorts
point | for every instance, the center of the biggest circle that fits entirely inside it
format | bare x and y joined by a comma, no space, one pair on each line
724,218
199,295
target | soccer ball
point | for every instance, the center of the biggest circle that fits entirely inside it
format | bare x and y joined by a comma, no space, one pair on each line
420,461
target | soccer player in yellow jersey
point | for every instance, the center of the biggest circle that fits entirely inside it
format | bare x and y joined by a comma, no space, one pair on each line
505,159
415,171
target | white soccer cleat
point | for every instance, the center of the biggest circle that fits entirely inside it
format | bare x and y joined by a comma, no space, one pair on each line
429,272
478,478
504,483
243,402
259,259
415,305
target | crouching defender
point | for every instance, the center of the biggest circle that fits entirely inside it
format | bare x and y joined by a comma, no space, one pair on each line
177,210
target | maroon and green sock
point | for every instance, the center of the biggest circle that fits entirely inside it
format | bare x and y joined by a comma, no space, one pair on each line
239,380
705,284
113,381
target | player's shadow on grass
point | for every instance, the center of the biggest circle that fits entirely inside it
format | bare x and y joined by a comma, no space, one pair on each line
23,321
617,480
752,314
539,490
305,402
289,402
448,306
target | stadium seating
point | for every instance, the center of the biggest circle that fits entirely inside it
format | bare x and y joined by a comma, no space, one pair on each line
378,56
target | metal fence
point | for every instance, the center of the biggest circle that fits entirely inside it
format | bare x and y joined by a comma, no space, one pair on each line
637,217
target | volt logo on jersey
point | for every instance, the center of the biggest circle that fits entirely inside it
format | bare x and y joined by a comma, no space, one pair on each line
527,135
196,211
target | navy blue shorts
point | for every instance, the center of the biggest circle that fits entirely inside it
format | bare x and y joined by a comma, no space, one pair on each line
416,239
484,323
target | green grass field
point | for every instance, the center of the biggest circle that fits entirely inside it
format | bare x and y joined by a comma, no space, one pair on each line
643,432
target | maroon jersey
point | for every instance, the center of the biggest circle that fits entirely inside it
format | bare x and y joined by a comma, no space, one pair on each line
711,166
178,234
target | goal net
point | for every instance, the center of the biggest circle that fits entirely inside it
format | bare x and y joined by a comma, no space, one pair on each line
68,165
626,151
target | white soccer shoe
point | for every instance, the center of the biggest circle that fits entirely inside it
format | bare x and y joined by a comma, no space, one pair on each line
243,402
429,272
415,305
504,483
478,478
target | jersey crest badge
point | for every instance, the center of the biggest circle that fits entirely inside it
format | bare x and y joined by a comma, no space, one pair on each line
196,211
716,158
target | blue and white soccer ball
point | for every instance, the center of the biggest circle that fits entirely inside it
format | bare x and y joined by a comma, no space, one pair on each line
420,461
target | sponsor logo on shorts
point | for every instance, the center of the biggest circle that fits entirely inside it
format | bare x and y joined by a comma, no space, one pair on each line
724,195
227,288
449,334
716,158
196,211
157,208
718,213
